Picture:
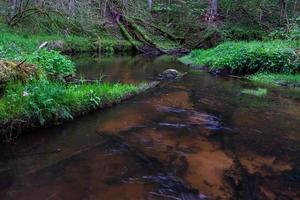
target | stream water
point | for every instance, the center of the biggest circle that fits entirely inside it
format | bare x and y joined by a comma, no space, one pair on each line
201,137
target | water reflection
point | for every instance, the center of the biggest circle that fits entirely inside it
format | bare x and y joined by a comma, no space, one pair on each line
198,138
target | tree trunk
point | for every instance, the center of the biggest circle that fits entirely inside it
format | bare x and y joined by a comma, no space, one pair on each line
283,11
13,8
71,7
213,11
150,4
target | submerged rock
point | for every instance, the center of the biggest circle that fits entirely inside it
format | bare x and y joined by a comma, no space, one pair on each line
170,74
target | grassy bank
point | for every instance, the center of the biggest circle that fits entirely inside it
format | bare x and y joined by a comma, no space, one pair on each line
41,102
270,61
34,91
14,40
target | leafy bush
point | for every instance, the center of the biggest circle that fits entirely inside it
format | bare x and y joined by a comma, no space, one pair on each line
21,48
52,62
250,57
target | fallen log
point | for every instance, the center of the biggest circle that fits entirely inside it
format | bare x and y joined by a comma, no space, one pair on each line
135,30
127,35
140,33
159,29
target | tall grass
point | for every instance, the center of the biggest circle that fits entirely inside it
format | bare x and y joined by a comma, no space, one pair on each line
44,100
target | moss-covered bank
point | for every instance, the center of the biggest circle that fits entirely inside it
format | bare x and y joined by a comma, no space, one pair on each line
267,61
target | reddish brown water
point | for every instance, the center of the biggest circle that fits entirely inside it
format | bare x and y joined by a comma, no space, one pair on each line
197,138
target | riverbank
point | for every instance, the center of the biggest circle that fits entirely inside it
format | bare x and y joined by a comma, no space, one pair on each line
41,97
43,103
34,87
274,62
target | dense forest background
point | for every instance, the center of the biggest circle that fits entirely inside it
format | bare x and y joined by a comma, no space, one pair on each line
186,22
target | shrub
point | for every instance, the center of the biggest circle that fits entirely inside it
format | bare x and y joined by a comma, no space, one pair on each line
52,62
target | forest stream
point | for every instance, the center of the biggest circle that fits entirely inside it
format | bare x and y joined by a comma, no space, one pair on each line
201,137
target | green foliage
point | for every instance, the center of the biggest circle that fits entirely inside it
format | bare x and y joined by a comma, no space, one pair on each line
78,43
293,33
88,96
52,62
214,35
45,100
24,48
39,99
14,47
242,32
249,57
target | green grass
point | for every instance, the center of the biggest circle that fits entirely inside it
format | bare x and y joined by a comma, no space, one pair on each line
44,97
44,100
24,42
277,79
276,56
